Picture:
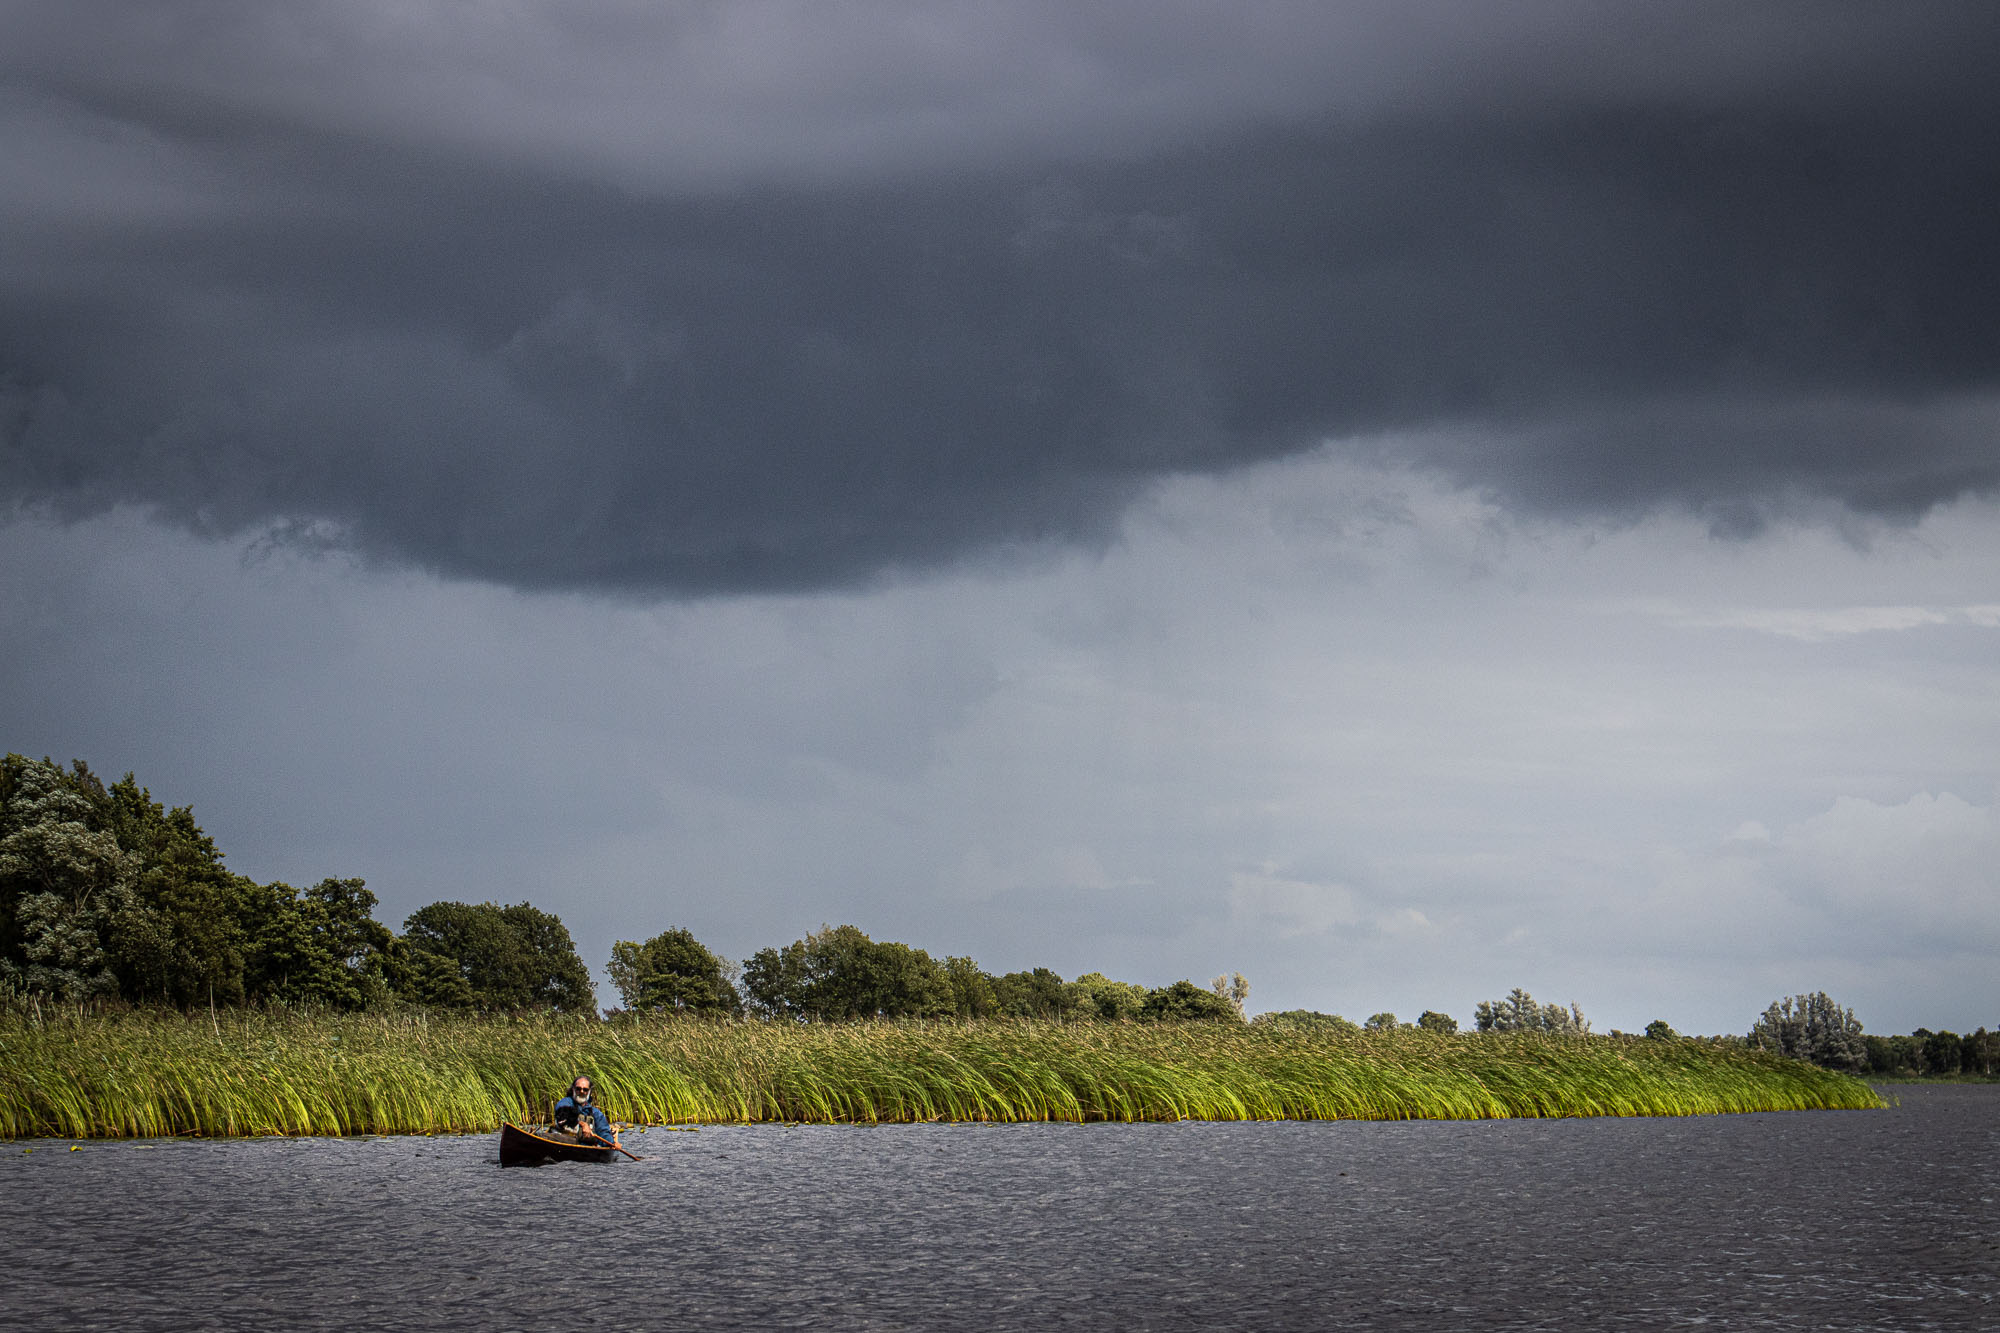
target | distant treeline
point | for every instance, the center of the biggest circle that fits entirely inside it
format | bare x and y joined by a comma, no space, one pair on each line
1813,1027
106,896
1924,1053
838,972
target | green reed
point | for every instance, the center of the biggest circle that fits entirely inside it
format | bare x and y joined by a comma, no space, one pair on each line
249,1073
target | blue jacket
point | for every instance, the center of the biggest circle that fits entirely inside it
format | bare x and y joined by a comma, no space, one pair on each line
568,1113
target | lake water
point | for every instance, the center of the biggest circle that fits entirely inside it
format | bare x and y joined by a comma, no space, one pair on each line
1813,1220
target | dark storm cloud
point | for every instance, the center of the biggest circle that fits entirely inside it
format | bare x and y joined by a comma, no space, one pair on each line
514,304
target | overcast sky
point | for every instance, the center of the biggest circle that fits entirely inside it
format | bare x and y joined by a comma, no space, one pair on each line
1399,500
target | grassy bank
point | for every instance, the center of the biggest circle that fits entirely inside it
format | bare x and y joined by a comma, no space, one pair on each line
147,1074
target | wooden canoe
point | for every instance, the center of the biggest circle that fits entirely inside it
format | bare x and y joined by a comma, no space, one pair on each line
527,1147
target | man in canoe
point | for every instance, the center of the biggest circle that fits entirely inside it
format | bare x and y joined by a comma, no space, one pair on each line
577,1114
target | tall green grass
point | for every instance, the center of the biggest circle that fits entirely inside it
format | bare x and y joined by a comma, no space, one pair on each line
148,1074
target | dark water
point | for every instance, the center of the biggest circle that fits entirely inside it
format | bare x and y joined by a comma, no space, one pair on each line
1820,1220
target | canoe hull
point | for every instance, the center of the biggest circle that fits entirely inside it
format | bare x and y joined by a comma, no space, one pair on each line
524,1147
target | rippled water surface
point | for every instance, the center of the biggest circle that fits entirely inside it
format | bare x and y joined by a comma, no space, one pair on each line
1818,1220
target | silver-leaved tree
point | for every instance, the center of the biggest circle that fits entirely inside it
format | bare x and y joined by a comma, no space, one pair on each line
1519,1013
1812,1027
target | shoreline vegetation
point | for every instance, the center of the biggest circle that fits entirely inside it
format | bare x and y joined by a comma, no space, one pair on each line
147,990
146,1074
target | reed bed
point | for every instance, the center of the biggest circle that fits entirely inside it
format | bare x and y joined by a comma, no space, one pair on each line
245,1073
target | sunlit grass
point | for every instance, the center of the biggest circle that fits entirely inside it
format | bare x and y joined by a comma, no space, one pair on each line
151,1074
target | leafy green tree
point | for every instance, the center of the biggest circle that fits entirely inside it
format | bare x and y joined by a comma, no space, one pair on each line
774,982
13,885
557,977
278,955
971,989
1185,1002
196,953
321,947
1384,1022
1881,1054
839,973
505,958
104,893
1981,1053
1943,1053
914,984
845,976
1894,1055
1039,993
349,945
1094,995
1430,1020
1909,1051
674,971
1660,1030
66,887
431,980
1814,1028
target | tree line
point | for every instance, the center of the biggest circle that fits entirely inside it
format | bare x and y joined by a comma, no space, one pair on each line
105,895
1813,1027
838,973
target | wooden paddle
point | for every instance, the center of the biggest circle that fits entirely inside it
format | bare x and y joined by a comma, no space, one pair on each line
593,1134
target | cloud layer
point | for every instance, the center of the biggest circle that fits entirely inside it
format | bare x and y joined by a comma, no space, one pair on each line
692,298
1367,738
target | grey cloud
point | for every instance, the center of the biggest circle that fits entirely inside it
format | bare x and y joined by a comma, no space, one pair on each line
1245,737
1589,270
693,94
1738,461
